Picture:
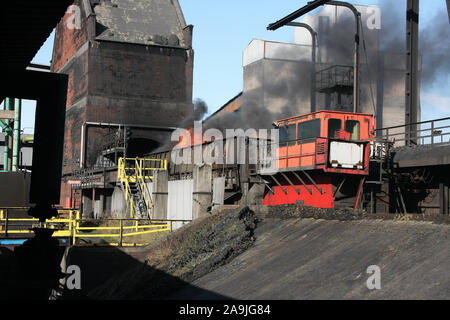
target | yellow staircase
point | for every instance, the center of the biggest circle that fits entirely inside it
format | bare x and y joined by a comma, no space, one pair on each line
134,174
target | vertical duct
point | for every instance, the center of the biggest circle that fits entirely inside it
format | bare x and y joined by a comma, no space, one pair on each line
16,141
7,135
412,70
380,92
448,10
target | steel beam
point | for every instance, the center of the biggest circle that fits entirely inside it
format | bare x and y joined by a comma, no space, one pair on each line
312,180
268,187
339,187
6,114
412,70
7,130
297,14
276,181
358,194
290,182
16,134
303,182
443,198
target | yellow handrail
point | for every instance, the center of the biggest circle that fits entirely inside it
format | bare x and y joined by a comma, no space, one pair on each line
141,171
144,190
126,186
70,227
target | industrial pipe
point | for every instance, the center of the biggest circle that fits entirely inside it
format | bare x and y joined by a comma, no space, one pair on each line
100,124
16,141
356,55
297,14
315,4
28,139
313,58
7,133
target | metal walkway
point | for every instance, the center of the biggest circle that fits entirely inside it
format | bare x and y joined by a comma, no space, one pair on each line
428,144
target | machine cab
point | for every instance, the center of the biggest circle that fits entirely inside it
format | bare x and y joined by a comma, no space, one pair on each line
328,140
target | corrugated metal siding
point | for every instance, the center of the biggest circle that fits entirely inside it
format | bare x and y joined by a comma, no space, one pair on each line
180,201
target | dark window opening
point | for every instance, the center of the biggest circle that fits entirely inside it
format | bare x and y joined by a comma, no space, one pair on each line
309,129
334,125
353,127
287,135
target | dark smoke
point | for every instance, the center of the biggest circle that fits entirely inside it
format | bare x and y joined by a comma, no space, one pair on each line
339,42
287,85
198,113
434,43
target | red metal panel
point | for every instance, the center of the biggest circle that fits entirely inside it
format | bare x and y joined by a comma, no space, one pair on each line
316,199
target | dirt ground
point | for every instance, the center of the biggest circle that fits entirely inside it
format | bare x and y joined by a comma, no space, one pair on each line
289,252
182,257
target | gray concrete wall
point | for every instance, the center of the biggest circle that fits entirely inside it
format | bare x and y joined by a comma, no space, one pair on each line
218,191
118,204
160,194
279,86
202,195
87,211
180,201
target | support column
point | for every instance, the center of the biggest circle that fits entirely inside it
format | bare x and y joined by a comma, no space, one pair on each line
160,194
7,136
16,143
87,205
202,195
443,198
412,70
99,203
101,207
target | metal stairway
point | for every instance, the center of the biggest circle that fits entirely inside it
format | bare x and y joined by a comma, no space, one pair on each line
133,175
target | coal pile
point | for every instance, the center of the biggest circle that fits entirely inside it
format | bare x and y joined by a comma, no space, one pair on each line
184,256
305,212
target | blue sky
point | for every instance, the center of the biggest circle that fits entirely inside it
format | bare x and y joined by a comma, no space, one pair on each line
222,29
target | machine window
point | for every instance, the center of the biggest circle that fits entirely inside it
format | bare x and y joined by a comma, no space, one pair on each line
287,134
353,127
334,125
309,129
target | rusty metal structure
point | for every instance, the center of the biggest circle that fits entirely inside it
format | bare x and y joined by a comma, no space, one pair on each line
130,74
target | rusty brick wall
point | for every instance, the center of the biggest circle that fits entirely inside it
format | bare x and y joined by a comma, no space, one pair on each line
138,71
118,82
67,41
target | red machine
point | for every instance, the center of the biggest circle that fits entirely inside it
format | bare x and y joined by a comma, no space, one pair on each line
322,158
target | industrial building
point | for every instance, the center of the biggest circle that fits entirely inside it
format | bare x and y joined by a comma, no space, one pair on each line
128,76
347,155
281,79
130,86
